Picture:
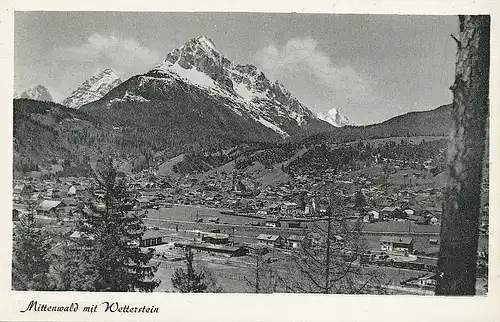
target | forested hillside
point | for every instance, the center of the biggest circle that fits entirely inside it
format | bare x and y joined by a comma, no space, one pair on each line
147,133
47,133
435,122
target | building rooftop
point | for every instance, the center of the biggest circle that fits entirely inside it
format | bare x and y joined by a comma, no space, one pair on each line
268,237
153,233
49,204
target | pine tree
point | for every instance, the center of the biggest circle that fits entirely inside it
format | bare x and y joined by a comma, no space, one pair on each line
189,281
30,265
113,233
359,199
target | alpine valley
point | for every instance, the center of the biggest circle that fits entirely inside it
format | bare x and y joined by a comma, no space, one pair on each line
197,108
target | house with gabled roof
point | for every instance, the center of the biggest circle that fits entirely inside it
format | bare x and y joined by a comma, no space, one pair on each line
52,208
271,240
396,244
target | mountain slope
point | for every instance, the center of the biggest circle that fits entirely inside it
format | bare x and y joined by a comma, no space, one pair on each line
92,89
196,92
36,92
173,115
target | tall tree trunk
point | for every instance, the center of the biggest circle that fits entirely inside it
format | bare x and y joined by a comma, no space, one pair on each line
460,221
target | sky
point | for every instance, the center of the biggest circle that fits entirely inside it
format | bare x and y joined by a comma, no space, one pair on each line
369,67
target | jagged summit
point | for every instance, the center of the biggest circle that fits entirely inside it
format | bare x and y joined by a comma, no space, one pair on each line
93,89
199,46
198,62
36,92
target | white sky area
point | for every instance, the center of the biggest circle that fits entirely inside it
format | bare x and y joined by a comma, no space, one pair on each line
369,67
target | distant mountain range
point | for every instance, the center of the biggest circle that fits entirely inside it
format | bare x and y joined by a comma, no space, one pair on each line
196,100
36,92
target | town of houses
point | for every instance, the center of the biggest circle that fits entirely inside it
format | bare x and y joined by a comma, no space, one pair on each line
284,208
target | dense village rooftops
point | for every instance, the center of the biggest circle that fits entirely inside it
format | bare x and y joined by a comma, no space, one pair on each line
396,240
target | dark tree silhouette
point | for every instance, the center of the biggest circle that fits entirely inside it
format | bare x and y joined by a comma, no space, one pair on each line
188,280
30,263
111,233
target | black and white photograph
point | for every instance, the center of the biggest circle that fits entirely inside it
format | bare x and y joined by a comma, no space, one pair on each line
232,152
250,153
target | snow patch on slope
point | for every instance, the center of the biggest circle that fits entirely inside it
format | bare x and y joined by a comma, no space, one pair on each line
127,98
273,127
247,94
194,76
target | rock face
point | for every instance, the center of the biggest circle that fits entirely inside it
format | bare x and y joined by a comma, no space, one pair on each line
93,89
37,92
245,89
334,118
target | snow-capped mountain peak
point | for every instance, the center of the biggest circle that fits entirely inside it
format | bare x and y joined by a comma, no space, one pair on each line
334,118
36,92
199,52
93,89
200,63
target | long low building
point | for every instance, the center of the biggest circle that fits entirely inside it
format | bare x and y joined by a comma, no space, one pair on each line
152,238
232,251
215,238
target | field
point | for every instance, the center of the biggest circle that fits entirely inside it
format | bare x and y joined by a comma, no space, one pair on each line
237,275
186,215
192,213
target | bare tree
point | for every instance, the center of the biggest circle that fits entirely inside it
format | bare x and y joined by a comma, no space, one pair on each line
263,277
460,223
331,266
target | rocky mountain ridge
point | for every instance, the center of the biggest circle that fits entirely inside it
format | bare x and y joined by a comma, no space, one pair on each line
36,92
92,89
